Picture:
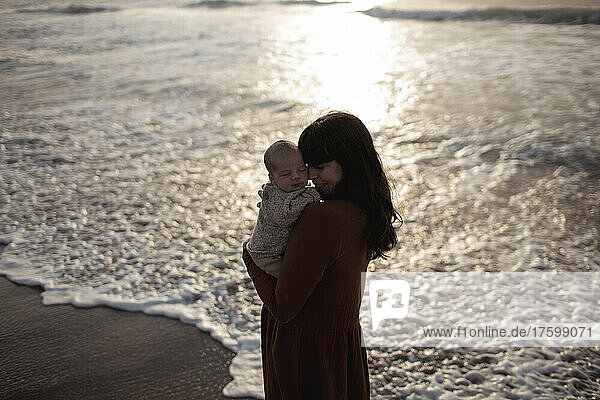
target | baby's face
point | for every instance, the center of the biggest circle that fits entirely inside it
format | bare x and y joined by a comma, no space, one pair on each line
290,173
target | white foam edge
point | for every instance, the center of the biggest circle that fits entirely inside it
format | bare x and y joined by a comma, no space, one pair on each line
247,382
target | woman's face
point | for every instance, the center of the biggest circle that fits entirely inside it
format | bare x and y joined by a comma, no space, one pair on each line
325,177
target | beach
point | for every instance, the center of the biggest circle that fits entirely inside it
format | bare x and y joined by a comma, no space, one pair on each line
62,352
131,152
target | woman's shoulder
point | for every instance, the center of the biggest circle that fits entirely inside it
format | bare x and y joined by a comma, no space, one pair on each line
330,212
337,206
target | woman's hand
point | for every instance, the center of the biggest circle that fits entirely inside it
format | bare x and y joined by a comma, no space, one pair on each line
263,282
251,266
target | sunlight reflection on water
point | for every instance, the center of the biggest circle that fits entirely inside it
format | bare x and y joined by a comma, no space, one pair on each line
131,144
344,61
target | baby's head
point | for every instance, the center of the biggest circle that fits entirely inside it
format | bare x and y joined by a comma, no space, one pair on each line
286,166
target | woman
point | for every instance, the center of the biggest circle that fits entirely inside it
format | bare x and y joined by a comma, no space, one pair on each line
310,329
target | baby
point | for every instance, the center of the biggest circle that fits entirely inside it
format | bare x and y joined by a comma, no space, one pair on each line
283,199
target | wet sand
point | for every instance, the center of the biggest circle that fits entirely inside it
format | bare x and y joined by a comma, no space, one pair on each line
63,352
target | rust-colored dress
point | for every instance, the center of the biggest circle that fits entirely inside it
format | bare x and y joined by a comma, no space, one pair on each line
310,329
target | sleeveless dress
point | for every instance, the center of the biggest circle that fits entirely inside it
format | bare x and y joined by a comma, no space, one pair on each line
310,329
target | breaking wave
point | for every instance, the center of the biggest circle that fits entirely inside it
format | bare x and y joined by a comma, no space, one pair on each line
218,4
72,9
573,16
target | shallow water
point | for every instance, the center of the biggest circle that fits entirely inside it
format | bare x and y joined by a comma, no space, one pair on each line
131,138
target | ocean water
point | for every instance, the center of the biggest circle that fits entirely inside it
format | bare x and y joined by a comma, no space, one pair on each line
131,138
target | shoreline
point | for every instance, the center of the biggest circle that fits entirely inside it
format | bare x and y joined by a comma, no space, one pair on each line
60,351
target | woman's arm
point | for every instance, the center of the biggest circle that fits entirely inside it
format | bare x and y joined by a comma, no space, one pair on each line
260,278
313,245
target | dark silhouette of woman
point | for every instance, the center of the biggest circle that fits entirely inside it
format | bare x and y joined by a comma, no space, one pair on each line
310,328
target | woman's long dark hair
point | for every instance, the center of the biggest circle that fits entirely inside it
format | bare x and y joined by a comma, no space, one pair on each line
344,138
